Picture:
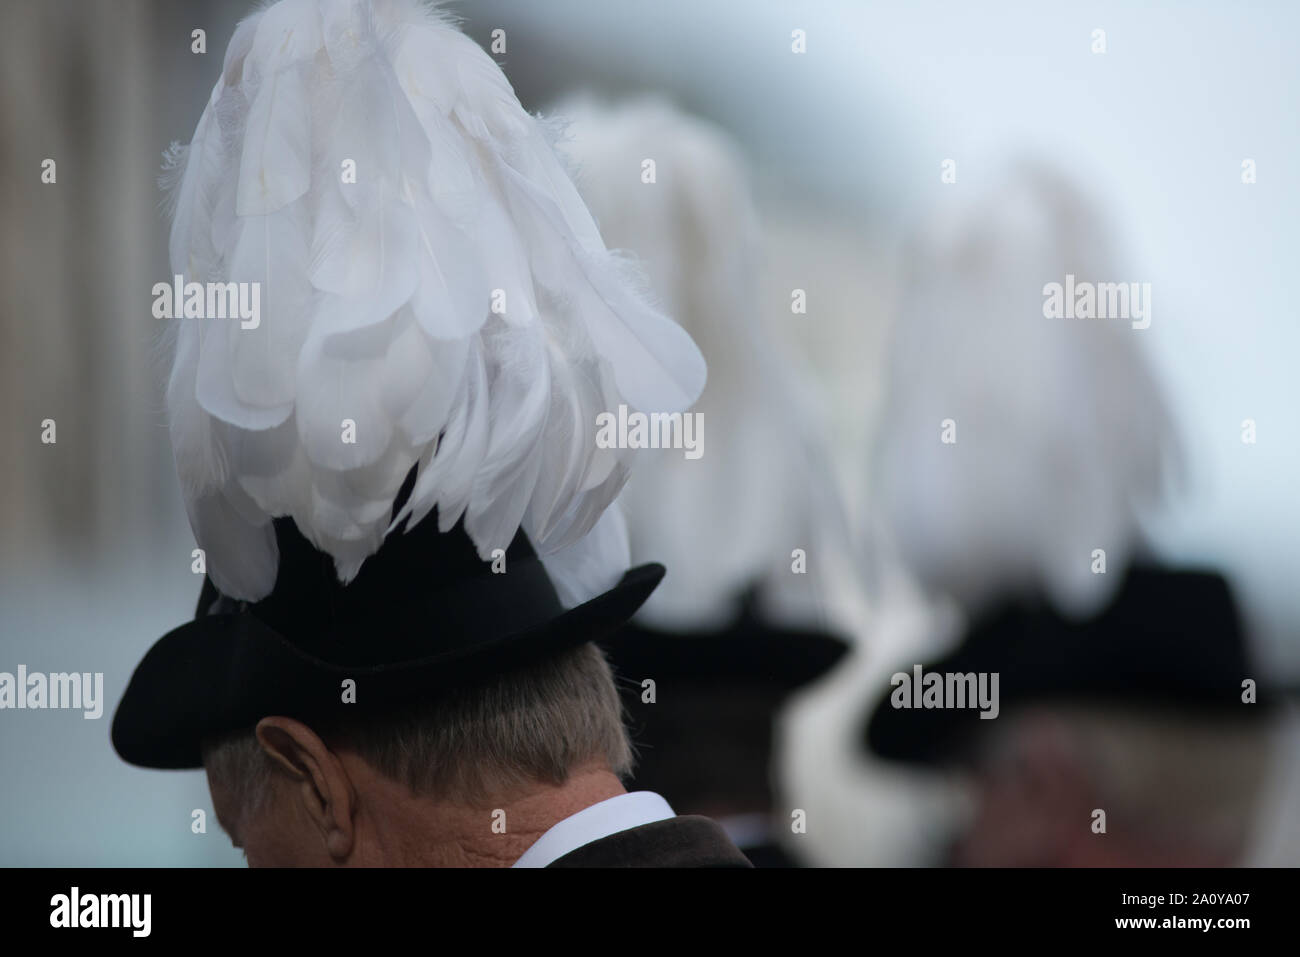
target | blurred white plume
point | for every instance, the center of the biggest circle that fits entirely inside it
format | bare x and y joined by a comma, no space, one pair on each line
763,486
376,302
1062,435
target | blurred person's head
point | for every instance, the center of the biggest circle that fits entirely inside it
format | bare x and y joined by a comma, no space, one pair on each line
1138,736
732,632
701,711
1176,789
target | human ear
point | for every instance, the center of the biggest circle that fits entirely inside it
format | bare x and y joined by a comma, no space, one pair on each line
323,786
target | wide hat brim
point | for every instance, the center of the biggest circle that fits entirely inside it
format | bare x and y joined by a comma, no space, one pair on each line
223,672
748,653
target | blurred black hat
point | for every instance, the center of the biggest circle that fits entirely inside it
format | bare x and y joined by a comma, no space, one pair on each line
706,740
1168,640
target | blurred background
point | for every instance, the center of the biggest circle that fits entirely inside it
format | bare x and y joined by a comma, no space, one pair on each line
844,148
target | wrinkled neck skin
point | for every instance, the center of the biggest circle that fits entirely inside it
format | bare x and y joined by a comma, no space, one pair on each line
356,817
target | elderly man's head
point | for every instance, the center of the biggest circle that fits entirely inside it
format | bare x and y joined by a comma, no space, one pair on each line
1175,789
471,777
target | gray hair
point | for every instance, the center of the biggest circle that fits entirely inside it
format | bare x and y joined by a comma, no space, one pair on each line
531,725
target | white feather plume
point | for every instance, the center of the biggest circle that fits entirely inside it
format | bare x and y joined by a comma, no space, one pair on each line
731,518
376,301
1062,434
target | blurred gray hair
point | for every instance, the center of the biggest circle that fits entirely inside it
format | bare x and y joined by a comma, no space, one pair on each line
532,725
1171,779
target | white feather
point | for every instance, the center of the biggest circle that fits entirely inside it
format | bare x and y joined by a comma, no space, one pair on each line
1063,436
275,165
731,518
272,251
377,301
594,563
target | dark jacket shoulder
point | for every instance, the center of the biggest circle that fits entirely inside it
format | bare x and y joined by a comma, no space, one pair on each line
683,841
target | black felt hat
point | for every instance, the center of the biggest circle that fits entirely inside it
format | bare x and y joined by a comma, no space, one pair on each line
425,613
749,650
1169,640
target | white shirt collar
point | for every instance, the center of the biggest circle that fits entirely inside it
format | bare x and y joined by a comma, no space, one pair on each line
619,813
